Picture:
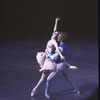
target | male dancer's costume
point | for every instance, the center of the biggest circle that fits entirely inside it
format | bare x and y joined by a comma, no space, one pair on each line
60,67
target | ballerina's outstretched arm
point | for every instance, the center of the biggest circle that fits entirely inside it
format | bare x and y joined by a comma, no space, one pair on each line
56,23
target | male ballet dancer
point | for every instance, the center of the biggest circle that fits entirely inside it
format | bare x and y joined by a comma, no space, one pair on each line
60,64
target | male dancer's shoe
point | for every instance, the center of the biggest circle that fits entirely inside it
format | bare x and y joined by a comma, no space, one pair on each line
47,95
77,91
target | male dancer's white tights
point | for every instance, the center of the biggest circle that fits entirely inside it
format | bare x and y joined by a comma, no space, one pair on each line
59,68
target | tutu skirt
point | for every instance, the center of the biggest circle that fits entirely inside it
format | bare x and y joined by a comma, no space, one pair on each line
44,62
40,57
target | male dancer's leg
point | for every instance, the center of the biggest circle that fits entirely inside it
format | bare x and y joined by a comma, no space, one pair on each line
49,83
50,77
43,76
71,81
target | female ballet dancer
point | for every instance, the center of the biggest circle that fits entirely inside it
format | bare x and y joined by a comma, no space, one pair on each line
42,58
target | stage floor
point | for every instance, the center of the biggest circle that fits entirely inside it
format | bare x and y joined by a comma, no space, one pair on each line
19,71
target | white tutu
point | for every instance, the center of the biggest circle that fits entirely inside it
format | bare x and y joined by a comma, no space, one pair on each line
41,56
49,65
45,63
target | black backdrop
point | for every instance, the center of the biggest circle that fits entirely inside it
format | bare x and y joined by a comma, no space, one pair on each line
34,19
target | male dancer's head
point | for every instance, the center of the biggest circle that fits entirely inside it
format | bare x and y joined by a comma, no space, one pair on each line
62,37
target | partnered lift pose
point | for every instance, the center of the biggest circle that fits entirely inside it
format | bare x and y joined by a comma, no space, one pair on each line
53,60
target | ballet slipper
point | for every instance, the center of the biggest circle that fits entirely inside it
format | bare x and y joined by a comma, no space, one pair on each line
72,67
77,91
47,95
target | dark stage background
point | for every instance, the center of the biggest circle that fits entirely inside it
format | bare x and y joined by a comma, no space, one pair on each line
34,19
23,21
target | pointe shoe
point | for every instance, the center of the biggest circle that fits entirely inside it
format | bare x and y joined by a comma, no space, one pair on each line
33,92
47,95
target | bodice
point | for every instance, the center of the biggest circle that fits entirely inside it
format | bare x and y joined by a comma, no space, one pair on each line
50,46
